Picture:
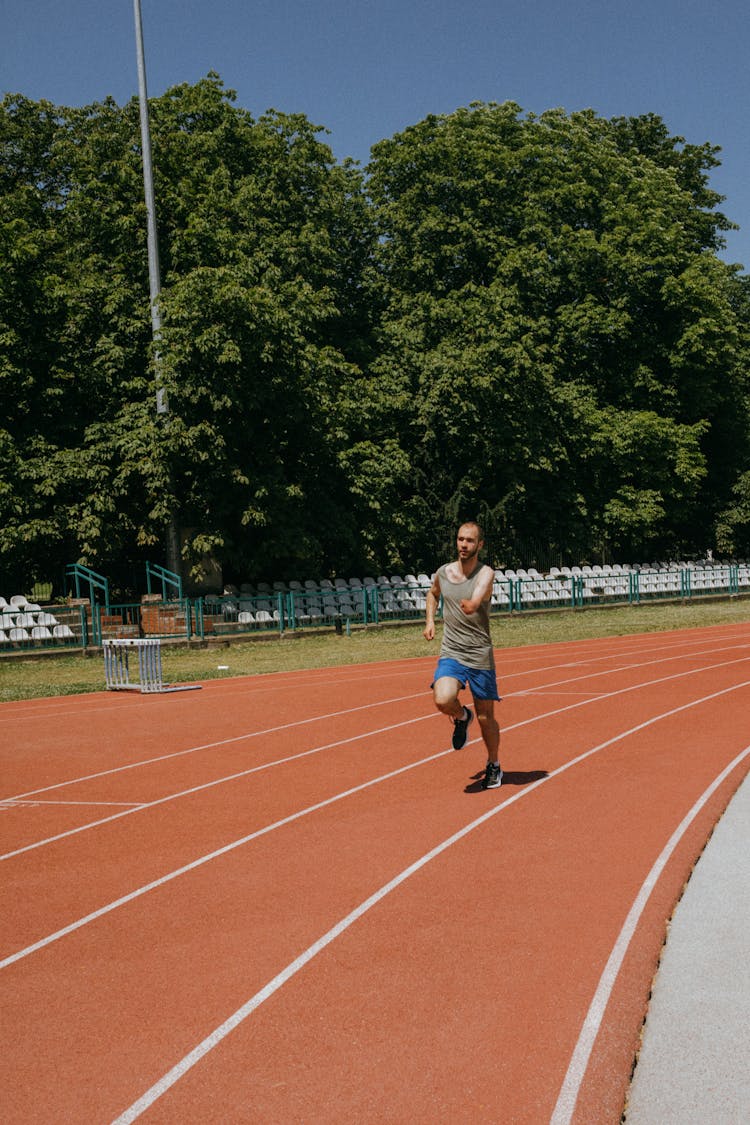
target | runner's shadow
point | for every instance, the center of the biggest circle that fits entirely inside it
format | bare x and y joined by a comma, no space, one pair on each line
510,777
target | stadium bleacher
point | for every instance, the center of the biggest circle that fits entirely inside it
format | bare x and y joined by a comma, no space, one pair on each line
302,603
24,623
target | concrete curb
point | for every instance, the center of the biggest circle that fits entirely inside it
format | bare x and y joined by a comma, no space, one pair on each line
693,1066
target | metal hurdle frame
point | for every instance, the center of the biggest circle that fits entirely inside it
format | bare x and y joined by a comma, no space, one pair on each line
150,677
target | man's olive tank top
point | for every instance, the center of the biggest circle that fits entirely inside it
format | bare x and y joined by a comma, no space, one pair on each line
466,638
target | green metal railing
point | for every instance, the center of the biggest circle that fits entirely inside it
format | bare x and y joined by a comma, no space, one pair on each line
293,609
84,576
324,607
171,583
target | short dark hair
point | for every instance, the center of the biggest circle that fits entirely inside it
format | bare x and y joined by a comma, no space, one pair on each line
478,526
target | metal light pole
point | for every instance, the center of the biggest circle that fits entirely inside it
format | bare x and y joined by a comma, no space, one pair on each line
154,273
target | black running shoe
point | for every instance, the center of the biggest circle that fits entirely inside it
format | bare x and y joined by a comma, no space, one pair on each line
493,777
461,729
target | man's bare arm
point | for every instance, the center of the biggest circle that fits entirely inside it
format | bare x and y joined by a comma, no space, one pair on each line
482,591
431,604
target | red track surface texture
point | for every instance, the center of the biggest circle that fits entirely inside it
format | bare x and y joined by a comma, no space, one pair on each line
283,899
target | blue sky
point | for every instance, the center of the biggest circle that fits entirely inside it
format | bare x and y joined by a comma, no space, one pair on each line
365,69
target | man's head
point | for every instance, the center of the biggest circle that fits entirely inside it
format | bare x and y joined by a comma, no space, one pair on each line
470,540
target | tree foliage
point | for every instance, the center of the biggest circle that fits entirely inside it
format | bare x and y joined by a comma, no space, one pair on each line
514,317
261,236
561,347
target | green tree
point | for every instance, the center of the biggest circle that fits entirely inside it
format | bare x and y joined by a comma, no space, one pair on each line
74,352
266,239
263,241
561,349
523,320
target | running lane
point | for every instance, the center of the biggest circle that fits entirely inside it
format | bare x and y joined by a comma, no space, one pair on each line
462,991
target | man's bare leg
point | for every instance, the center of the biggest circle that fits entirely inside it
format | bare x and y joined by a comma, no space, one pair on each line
445,693
488,725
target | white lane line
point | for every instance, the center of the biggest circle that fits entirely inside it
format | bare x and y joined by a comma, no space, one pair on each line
621,652
351,710
623,691
220,742
225,849
12,802
212,783
343,742
248,684
218,1034
568,1096
545,691
696,654
100,913
23,710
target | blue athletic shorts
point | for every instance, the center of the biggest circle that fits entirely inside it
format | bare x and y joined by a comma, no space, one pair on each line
482,681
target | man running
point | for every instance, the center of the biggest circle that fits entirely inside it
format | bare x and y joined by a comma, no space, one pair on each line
466,654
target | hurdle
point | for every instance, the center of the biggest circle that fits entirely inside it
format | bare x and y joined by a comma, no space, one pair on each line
146,652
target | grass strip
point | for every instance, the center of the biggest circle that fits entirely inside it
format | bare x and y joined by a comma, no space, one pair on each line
34,677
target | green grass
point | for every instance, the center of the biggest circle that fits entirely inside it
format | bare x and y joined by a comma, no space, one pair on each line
34,677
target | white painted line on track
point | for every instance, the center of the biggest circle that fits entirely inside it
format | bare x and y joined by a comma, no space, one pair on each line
566,1102
622,691
241,1014
221,742
22,710
343,742
351,710
250,684
11,802
216,781
695,654
533,692
225,850
675,642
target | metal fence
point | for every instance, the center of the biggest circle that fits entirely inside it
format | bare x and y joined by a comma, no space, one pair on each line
327,606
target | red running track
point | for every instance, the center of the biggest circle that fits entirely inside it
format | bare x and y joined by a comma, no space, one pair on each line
283,899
